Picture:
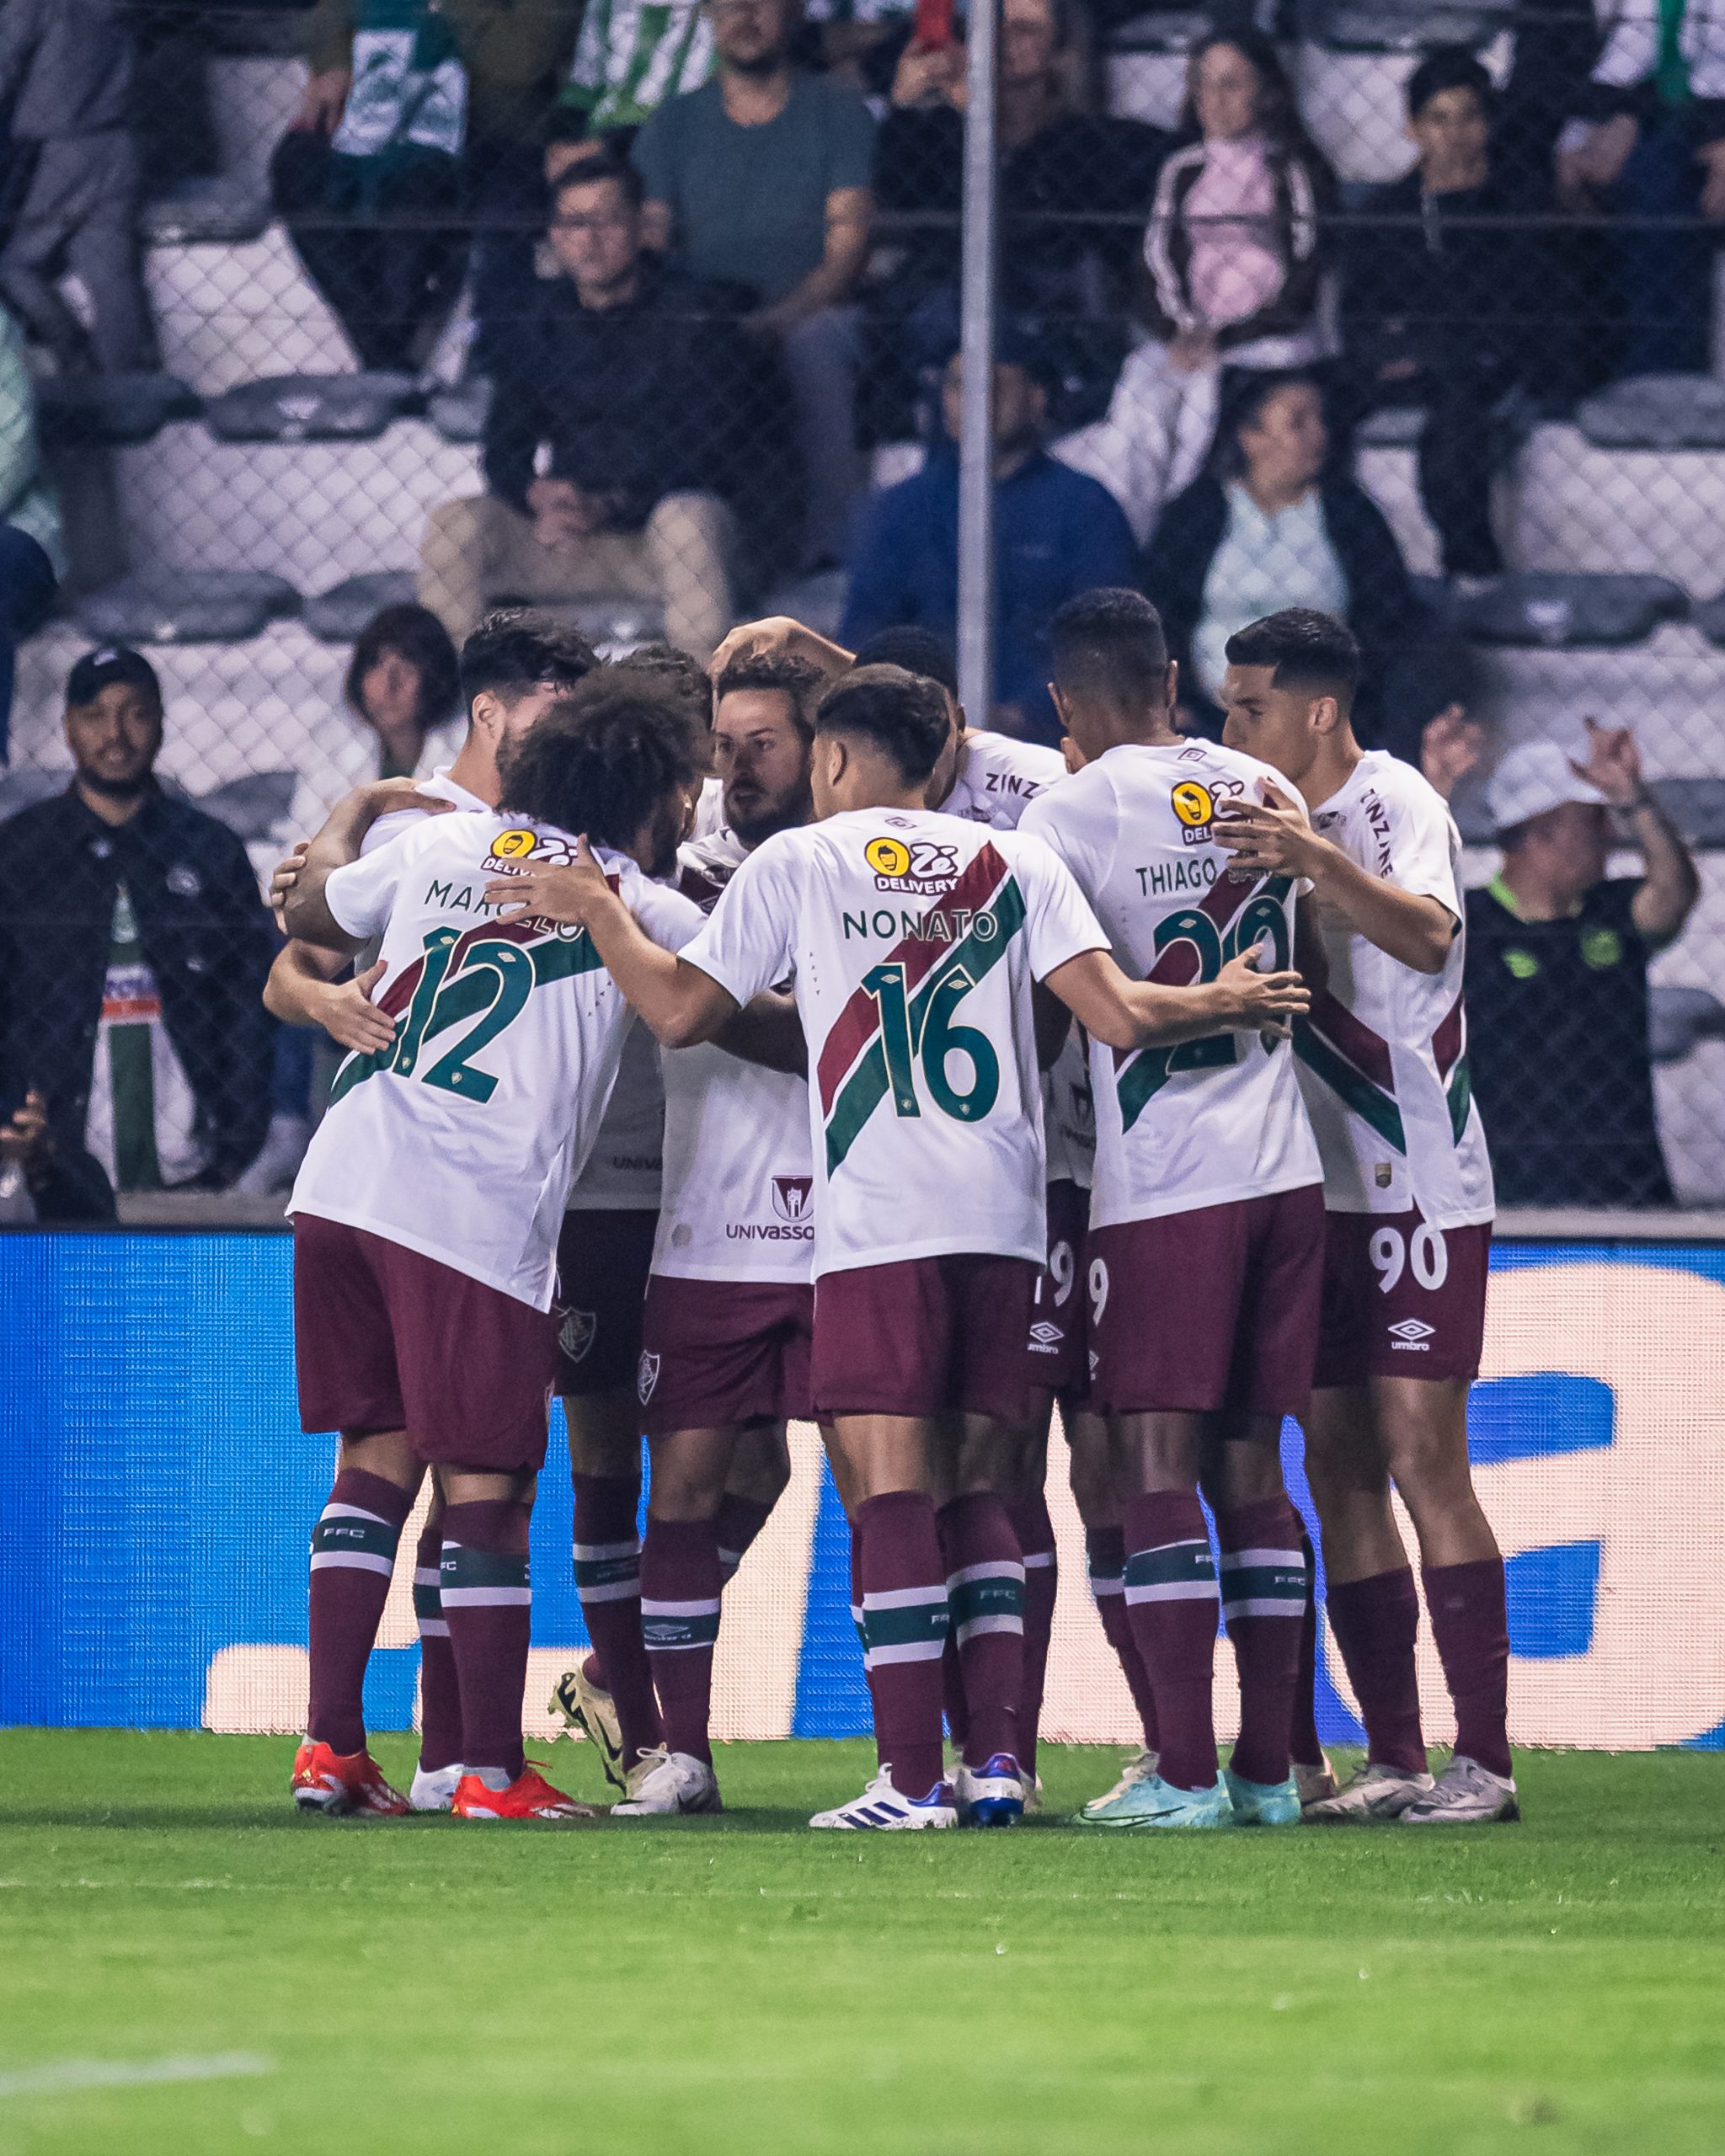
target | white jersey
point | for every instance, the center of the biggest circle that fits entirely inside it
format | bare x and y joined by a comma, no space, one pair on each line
998,778
739,1172
1212,1121
1383,1060
913,939
461,1140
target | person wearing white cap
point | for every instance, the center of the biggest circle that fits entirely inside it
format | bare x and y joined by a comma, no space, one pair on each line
1555,983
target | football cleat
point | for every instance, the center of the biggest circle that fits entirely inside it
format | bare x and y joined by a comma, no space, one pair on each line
1372,1792
589,1708
991,1795
1139,1768
1464,1795
1314,1782
433,1788
662,1784
529,1798
1154,1803
1263,1804
882,1807
1032,1795
343,1786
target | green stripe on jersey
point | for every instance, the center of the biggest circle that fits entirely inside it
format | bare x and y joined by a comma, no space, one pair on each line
1371,1103
1460,1097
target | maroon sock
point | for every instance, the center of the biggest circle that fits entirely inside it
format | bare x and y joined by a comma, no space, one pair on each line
1376,1622
1471,1629
680,1591
440,1693
985,1593
904,1624
1035,1532
352,1555
608,1580
1171,1600
862,1641
488,1604
737,1523
1303,1742
1263,1605
1105,1559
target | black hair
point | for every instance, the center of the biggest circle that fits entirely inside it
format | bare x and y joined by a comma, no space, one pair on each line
672,667
1449,67
514,650
588,172
421,638
566,123
902,714
1243,406
1306,649
601,759
777,673
1111,642
918,651
1278,109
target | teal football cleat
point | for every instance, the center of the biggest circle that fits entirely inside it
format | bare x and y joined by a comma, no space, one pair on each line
1156,1803
1263,1804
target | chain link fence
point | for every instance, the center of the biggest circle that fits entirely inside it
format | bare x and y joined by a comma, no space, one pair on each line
1410,314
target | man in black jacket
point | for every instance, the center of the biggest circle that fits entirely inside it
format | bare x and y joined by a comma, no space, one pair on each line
133,950
661,427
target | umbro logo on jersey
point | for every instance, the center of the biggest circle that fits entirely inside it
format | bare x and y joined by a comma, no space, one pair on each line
1045,1337
646,1376
792,1197
1412,1332
575,1335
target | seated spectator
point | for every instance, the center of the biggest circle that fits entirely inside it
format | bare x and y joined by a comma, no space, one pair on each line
1268,527
66,75
1234,249
662,428
1556,981
1056,533
761,178
1444,311
512,261
27,592
25,498
1647,143
399,720
134,948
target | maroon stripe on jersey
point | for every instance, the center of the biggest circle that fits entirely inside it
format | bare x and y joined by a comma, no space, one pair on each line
857,1022
1449,1039
1178,966
1366,1050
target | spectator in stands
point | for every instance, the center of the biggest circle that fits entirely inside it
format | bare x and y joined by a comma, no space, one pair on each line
1443,311
1647,142
1056,533
762,177
65,73
1556,982
134,948
660,423
1268,526
399,722
1234,249
27,592
25,499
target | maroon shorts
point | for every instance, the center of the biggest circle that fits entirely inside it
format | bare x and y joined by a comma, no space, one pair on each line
1401,1299
386,1339
1213,1309
927,1335
1057,1340
603,1260
715,1353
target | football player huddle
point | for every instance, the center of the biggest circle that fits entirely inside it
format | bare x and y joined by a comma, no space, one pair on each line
790,1051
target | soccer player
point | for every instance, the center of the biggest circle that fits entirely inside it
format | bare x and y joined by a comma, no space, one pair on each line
1408,1185
427,1212
914,940
1206,1228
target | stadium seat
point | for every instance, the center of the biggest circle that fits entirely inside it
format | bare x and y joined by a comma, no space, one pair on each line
1697,806
218,212
1146,64
1397,426
1651,510
1567,612
253,806
1403,25
295,408
338,615
1679,1019
109,408
1708,615
459,414
1656,411
185,606
23,788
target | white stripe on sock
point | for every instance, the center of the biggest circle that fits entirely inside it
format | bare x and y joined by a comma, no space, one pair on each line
1265,1606
615,1591
1109,1583
486,1598
597,1553
353,1560
975,1626
1001,1569
433,1628
679,1609
907,1651
427,1575
905,1597
1233,1558
1174,1590
1037,1560
353,1512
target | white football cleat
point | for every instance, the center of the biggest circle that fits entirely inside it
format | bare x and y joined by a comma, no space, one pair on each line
881,1808
663,1784
433,1788
991,1795
590,1710
1464,1795
1314,1782
1139,1768
1372,1792
1032,1795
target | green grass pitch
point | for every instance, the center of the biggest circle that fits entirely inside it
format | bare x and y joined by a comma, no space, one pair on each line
708,1988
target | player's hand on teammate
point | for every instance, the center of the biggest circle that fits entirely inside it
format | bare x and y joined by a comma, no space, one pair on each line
1270,837
1259,1002
779,633
569,896
351,1019
282,883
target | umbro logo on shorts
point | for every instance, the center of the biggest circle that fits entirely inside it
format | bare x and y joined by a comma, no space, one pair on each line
1045,1337
646,1376
577,1333
1412,1332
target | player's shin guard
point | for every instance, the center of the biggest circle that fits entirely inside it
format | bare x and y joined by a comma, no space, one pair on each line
737,1523
985,1595
440,1690
489,1605
680,1591
1171,1600
1035,1532
1263,1605
352,1555
1105,1560
904,1624
608,1580
1376,1622
1472,1632
1303,1744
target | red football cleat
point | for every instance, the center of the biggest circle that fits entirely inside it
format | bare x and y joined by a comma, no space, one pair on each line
529,1797
344,1785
